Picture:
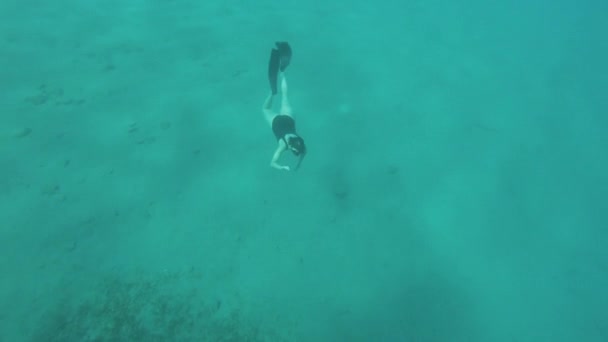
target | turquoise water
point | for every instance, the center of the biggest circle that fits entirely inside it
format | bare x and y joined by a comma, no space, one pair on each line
454,188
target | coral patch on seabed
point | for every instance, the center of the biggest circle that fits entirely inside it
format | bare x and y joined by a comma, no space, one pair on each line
147,308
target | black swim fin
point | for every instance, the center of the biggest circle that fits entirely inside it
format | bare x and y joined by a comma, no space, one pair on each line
280,57
273,70
284,54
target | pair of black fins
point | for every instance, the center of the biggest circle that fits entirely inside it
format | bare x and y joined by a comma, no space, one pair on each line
280,57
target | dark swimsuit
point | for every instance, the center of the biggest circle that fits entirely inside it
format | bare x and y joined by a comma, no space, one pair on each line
283,125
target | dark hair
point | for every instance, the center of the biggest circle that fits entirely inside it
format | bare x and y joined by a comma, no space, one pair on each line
297,143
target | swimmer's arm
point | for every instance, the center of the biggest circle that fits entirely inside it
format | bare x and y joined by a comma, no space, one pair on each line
300,161
275,158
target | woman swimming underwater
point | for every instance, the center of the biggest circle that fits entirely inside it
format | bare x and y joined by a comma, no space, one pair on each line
282,123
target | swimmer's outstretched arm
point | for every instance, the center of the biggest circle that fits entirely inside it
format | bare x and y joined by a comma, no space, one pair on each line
299,162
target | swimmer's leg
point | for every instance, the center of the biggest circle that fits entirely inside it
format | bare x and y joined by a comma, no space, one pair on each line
285,106
274,65
280,57
267,109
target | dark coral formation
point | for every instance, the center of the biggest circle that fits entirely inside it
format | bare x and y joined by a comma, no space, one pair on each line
146,309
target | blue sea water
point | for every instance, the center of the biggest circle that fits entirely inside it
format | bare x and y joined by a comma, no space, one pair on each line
454,187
